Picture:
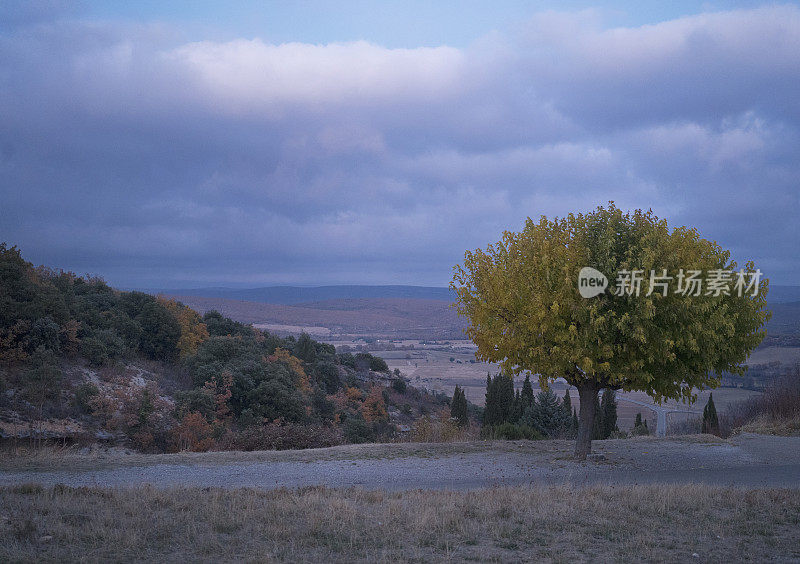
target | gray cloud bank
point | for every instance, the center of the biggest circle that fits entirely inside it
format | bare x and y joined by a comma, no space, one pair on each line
125,152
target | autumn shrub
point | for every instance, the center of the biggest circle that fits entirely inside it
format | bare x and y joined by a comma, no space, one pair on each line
192,433
141,414
439,427
374,406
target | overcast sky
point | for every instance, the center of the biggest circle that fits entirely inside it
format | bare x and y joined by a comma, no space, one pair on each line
202,143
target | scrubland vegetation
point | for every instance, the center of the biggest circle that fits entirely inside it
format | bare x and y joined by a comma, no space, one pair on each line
82,361
653,523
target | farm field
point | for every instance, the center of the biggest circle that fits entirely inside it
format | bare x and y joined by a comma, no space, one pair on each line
428,366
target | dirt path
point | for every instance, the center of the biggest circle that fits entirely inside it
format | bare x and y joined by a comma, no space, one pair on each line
747,460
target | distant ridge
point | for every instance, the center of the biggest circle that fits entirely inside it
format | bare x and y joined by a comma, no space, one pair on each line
289,295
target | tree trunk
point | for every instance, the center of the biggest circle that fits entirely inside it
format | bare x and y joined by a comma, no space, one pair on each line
588,395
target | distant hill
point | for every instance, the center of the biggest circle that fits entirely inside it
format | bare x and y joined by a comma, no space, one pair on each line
289,295
785,319
409,318
391,311
783,294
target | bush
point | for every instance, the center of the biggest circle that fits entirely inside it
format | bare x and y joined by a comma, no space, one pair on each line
193,433
777,410
399,385
94,351
326,375
510,432
199,400
357,431
83,396
377,364
439,428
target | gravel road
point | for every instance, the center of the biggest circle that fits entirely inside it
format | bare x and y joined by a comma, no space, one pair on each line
747,460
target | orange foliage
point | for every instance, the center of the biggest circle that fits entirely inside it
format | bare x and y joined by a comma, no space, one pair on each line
222,393
193,433
374,408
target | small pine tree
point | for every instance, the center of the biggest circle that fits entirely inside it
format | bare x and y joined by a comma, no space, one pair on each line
638,422
574,420
547,414
710,419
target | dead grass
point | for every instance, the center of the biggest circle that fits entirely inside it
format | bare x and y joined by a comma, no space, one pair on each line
653,523
54,458
766,425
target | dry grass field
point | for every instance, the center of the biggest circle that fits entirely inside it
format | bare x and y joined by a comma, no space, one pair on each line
653,523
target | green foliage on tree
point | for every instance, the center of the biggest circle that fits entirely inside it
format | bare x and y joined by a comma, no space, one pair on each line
304,348
527,393
526,313
326,374
639,426
499,400
458,407
399,384
608,410
547,414
710,419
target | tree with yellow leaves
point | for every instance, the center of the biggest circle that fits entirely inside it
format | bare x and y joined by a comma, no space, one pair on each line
522,299
193,330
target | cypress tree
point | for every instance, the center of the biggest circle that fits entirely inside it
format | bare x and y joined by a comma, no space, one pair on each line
499,399
638,422
516,409
506,397
490,407
574,420
527,393
609,408
710,419
458,407
567,402
597,426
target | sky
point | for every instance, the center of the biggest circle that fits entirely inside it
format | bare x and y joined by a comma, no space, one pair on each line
242,144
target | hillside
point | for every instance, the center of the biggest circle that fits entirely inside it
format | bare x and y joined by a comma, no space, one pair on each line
80,360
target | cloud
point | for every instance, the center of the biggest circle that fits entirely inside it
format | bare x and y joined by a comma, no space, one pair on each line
124,151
